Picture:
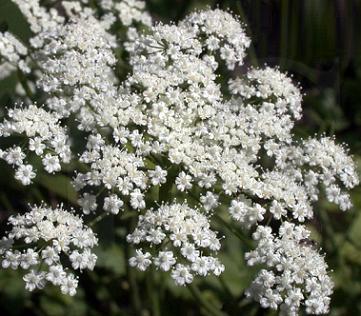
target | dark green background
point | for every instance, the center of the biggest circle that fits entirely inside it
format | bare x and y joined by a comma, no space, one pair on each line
319,43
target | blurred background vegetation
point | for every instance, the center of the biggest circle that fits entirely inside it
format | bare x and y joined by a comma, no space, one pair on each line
319,43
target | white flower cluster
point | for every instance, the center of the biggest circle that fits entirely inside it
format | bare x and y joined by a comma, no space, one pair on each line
129,11
313,162
12,55
45,136
295,274
333,165
222,32
165,131
272,86
80,47
246,212
37,16
114,169
180,237
39,241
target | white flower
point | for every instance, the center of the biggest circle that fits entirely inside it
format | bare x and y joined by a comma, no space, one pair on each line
244,212
141,260
34,280
209,201
183,181
158,175
88,203
85,260
50,255
56,275
190,252
11,259
15,156
182,275
237,210
137,199
36,145
51,163
78,260
155,236
69,285
29,258
112,204
24,174
201,266
165,260
277,210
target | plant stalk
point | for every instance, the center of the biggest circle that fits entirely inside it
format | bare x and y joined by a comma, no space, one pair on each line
211,310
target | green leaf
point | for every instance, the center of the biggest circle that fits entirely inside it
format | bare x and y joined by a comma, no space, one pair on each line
60,185
355,231
351,253
111,258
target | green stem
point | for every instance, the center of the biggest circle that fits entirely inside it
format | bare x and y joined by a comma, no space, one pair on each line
251,51
24,84
227,225
293,37
233,230
284,33
331,234
211,310
134,290
97,219
225,287
153,293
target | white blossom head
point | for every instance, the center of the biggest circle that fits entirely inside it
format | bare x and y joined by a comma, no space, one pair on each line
294,276
182,242
40,240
